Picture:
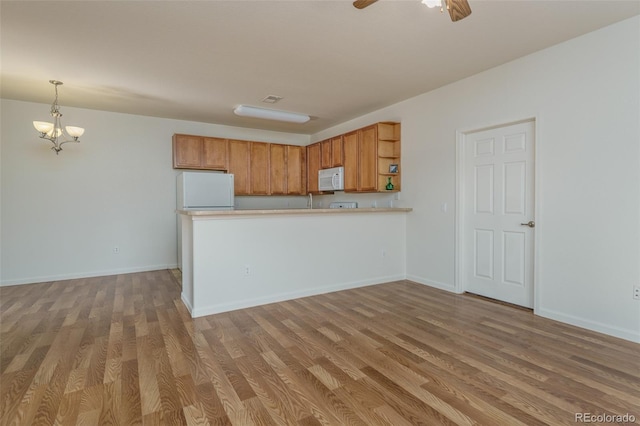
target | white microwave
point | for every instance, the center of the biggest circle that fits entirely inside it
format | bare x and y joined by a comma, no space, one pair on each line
331,179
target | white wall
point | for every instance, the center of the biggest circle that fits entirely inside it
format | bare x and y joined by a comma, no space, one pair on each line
288,256
63,215
585,96
271,202
366,200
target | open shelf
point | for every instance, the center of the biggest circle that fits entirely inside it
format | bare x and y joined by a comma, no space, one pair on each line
388,155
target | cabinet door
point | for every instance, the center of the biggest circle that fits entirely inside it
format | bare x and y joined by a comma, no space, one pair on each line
350,160
278,169
259,169
214,153
296,170
239,165
187,152
325,149
336,152
313,165
367,159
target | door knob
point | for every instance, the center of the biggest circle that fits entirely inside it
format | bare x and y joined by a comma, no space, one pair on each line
530,224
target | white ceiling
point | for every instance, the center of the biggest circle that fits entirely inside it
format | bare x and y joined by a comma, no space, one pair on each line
197,60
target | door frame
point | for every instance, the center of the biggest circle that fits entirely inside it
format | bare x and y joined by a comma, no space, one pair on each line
461,136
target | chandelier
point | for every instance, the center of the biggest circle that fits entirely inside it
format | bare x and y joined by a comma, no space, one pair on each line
54,131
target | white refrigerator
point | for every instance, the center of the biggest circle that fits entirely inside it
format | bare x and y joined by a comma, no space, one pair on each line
205,191
202,191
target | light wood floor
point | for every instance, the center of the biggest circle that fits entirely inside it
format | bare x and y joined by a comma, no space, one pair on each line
124,350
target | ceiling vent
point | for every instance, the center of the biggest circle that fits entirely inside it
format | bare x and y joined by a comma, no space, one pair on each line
272,99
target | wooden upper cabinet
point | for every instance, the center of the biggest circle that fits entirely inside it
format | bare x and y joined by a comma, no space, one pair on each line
331,153
187,152
259,172
278,169
313,165
197,152
296,172
368,159
350,160
239,165
215,153
288,170
371,157
325,157
336,152
259,168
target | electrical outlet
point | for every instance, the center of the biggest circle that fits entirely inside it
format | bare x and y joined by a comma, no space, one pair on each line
116,250
636,292
247,270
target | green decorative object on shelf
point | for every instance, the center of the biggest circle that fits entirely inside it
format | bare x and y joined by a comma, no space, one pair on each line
389,184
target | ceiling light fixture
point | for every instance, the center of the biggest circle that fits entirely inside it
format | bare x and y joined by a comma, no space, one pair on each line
270,114
432,3
53,131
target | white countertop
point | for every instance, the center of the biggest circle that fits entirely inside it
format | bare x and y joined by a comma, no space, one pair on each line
290,211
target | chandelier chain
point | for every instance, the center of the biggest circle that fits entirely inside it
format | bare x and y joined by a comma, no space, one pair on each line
55,109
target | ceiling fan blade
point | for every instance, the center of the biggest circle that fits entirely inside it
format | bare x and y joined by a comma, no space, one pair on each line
361,4
458,9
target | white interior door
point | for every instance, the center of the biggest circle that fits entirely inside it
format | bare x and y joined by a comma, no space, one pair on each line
498,209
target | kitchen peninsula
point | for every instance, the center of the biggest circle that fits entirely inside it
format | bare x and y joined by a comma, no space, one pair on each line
236,259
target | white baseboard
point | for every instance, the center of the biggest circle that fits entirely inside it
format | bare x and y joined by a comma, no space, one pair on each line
633,336
186,303
432,283
281,297
626,334
76,275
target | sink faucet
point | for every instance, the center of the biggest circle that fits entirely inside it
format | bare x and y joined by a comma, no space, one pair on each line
310,202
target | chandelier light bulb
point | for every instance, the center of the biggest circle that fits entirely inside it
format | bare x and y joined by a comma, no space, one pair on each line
75,132
43,126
